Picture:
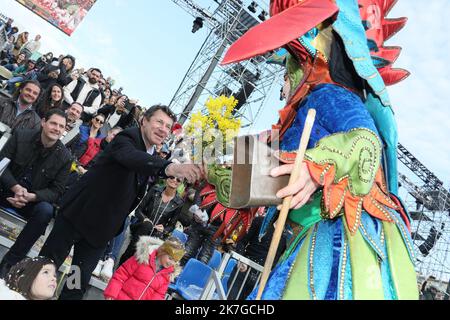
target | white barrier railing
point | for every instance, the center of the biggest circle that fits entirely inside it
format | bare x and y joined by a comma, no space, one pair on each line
214,284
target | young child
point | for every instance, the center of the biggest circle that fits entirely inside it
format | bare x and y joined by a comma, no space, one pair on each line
146,275
30,279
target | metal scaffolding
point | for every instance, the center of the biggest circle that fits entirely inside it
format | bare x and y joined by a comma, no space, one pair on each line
429,208
250,82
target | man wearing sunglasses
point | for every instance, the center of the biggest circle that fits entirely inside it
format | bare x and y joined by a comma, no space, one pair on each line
94,210
157,214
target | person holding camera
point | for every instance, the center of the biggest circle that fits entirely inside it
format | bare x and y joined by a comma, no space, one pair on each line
115,113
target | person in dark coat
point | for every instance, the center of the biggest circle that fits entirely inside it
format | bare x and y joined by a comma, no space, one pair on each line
18,112
94,210
34,180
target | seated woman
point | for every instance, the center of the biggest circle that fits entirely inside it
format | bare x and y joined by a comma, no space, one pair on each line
13,63
85,145
52,99
157,214
113,110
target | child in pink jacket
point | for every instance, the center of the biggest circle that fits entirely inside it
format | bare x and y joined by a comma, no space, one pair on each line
146,275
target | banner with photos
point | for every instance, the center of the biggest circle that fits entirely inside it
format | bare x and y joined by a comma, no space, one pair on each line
66,15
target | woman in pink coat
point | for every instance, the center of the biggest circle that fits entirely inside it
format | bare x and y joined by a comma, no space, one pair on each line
146,275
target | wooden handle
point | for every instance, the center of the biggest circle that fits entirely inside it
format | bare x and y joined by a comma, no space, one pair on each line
286,202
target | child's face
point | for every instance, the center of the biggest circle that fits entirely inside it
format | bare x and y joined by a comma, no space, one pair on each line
166,261
44,285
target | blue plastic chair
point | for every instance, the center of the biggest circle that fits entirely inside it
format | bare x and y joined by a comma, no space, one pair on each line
230,266
214,261
180,235
225,282
193,279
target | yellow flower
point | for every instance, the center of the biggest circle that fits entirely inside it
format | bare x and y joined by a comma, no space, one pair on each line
218,115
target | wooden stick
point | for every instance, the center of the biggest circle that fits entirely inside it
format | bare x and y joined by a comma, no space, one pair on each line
286,202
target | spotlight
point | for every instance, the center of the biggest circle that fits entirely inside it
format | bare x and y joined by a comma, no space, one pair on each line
198,24
262,16
252,7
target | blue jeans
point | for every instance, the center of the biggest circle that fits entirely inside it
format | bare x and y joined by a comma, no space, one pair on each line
10,67
113,249
38,216
12,83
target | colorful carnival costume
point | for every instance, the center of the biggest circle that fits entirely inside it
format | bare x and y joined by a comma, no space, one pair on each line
352,241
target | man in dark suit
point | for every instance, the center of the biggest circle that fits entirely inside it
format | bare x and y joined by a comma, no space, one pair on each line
93,211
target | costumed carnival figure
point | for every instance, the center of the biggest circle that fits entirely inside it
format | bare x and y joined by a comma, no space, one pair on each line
352,239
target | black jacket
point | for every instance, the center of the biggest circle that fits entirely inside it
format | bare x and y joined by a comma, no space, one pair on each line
28,119
99,202
149,209
50,167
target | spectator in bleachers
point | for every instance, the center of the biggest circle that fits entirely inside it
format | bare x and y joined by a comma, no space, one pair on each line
131,116
7,25
66,66
86,144
43,61
18,112
107,93
157,214
111,134
6,51
76,74
113,112
30,279
51,99
48,77
85,91
73,122
147,274
15,62
34,180
14,32
31,46
23,73
21,40
201,241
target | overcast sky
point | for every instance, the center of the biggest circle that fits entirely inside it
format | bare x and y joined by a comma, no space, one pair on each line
147,46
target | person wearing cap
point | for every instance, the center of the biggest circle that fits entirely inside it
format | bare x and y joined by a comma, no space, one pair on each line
147,274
